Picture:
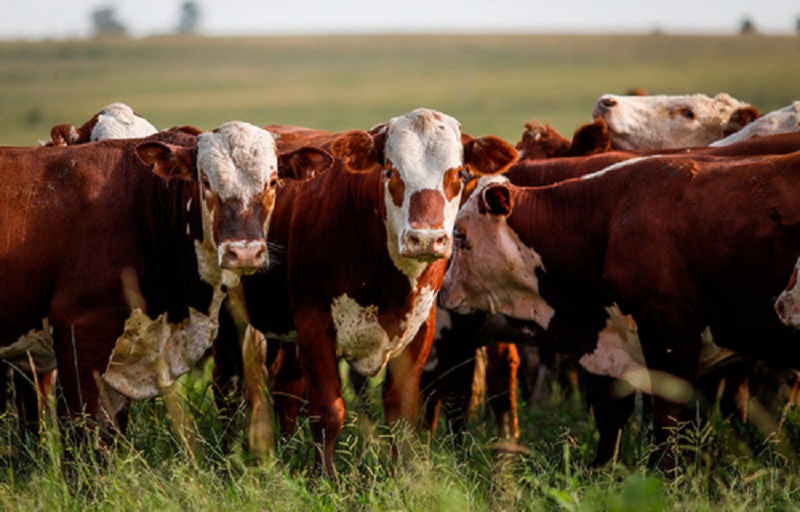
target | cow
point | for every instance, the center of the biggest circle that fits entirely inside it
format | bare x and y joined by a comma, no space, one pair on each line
671,121
786,119
651,236
127,247
114,121
786,305
363,250
449,380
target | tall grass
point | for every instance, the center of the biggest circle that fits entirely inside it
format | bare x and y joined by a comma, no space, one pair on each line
150,469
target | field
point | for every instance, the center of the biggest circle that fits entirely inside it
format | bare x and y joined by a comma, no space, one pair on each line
492,84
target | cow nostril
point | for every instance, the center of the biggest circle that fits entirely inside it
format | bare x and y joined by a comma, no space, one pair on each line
608,102
414,240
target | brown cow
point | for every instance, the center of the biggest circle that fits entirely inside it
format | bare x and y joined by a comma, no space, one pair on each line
363,252
448,381
120,257
681,243
540,141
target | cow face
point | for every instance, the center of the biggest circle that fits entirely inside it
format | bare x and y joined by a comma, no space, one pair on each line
658,122
491,268
424,160
238,172
788,304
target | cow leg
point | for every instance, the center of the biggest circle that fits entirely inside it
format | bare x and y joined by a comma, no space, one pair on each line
403,373
228,367
501,383
317,351
671,352
611,412
288,387
27,402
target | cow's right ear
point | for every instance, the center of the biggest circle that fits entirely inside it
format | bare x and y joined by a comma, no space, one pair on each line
303,163
168,161
497,200
358,151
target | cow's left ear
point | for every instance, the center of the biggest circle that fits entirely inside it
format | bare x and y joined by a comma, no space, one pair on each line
497,200
303,163
168,161
488,155
740,118
358,150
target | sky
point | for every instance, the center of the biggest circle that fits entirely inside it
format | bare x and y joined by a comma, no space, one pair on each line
64,19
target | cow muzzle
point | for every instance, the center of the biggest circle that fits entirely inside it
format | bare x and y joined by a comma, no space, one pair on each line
243,256
425,244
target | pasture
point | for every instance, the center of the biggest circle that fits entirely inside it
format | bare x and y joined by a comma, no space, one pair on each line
492,84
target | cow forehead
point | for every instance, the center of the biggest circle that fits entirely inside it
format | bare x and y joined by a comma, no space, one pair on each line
422,145
238,158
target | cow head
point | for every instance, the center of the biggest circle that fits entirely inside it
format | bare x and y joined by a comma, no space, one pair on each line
491,268
670,121
788,304
424,159
238,170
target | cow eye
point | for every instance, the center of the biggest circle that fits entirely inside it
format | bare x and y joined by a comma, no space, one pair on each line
388,173
464,174
460,239
687,113
206,183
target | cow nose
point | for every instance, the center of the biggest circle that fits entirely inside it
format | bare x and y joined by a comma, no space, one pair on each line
425,244
607,102
243,255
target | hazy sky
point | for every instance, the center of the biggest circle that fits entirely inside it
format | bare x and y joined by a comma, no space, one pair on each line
59,19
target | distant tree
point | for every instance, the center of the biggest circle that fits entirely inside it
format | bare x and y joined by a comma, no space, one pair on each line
747,27
797,25
105,23
190,18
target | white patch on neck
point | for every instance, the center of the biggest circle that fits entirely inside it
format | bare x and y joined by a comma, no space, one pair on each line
118,121
362,340
618,351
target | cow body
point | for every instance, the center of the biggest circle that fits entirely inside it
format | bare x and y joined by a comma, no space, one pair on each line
671,121
129,264
649,236
363,254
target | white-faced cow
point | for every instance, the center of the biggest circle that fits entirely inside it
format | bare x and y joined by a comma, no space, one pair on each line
783,120
651,235
127,247
114,121
363,250
671,121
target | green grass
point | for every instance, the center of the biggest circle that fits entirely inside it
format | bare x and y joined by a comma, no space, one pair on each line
491,83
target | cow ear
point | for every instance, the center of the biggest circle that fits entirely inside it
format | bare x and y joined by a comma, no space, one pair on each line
64,135
739,119
303,163
489,155
168,161
591,138
358,151
497,200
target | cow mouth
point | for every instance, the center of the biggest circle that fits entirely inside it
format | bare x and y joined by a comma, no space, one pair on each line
244,257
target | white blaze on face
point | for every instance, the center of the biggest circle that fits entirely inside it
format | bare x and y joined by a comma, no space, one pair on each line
657,122
495,271
118,121
784,120
788,304
363,341
422,146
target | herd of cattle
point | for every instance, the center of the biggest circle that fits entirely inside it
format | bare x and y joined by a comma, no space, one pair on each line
650,249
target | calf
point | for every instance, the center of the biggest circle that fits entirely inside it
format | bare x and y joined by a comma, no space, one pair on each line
127,246
363,252
662,121
647,235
